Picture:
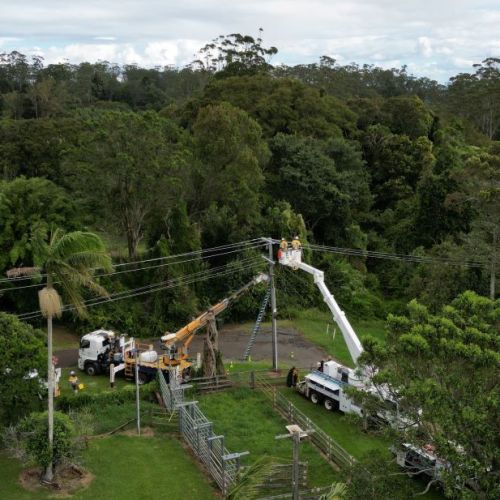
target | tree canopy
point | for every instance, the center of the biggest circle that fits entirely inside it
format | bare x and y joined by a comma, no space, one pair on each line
444,370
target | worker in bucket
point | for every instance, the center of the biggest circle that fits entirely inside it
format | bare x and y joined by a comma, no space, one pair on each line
296,245
73,381
283,248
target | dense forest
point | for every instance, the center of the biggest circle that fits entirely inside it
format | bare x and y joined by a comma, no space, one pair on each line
168,161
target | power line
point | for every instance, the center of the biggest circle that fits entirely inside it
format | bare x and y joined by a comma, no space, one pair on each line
156,287
198,259
167,286
130,292
247,244
393,256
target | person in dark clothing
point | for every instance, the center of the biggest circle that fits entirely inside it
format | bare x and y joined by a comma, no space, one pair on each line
289,377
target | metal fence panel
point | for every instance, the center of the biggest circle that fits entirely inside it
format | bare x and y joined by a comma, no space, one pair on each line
198,433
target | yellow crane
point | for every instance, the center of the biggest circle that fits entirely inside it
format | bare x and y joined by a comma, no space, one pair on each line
177,344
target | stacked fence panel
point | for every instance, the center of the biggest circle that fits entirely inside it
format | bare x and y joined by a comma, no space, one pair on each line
198,433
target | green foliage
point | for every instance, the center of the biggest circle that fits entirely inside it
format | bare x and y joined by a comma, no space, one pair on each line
476,96
22,351
71,259
279,105
231,154
26,204
235,54
408,116
127,167
424,362
395,163
36,148
117,397
35,429
374,477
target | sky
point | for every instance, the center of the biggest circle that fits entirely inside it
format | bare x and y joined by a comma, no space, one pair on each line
434,38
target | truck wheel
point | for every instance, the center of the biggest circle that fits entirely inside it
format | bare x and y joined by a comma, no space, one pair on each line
144,378
91,369
314,397
328,403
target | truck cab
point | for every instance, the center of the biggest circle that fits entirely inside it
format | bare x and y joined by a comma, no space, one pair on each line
93,355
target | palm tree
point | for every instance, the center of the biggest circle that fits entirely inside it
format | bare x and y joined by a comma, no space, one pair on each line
69,261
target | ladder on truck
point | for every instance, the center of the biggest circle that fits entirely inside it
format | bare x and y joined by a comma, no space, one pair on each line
258,322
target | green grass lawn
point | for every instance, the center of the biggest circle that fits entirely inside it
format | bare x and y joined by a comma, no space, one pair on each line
343,428
125,467
249,423
64,338
97,383
313,326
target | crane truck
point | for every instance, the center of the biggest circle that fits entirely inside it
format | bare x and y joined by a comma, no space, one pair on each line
103,351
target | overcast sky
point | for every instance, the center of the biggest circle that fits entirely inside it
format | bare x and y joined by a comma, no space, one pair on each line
435,38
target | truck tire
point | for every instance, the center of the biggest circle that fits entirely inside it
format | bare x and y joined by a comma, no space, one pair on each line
328,404
144,378
91,369
314,397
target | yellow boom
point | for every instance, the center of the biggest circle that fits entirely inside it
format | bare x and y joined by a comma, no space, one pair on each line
177,354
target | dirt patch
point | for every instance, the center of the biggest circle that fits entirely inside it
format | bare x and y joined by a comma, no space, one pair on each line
145,432
67,480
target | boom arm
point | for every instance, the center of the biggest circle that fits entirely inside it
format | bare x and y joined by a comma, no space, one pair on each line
292,258
186,333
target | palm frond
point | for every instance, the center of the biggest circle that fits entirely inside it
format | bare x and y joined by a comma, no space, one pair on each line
71,259
248,486
338,491
90,259
72,292
70,244
39,245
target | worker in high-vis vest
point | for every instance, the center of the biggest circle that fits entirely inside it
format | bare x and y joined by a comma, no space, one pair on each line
296,245
283,245
73,381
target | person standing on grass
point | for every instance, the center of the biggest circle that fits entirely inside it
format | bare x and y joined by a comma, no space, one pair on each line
73,382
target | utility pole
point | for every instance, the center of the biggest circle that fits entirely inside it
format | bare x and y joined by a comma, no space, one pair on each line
296,433
137,398
274,310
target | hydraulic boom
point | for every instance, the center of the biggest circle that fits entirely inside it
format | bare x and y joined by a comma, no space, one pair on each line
293,258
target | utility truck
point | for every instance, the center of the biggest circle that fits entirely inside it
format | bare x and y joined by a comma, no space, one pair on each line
328,386
102,351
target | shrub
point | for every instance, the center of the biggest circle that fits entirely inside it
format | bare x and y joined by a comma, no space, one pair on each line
34,431
69,402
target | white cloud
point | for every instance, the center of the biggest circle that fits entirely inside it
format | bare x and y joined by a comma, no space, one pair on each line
425,46
158,32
